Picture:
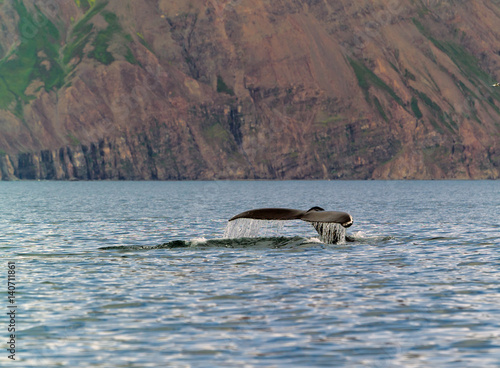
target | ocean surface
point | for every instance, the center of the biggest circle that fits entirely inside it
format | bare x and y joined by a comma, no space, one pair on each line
136,274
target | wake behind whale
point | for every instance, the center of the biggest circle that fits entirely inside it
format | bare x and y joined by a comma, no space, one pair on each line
292,243
278,242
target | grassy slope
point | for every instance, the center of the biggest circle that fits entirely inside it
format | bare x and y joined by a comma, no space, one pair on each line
466,62
38,56
469,67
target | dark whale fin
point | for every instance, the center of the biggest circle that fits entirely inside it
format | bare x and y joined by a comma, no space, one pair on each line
314,214
271,214
341,218
315,208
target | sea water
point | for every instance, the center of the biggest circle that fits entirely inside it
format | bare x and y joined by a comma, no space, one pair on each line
139,274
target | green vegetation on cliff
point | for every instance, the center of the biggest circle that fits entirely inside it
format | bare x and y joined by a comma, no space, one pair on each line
415,108
85,4
222,87
463,59
36,58
367,78
84,32
103,39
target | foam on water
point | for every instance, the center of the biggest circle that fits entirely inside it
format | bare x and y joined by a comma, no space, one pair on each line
197,241
362,237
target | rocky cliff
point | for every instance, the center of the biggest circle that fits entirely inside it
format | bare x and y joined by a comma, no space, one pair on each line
218,89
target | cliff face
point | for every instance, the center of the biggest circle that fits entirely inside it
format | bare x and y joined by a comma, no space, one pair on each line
217,89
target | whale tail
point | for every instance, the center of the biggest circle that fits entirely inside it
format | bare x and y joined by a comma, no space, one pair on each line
330,225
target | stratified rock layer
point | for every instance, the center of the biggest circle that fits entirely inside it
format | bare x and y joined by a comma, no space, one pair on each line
219,89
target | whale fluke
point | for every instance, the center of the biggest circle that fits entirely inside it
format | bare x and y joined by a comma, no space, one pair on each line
328,224
314,214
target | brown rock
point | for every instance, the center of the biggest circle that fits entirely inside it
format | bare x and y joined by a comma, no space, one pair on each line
256,89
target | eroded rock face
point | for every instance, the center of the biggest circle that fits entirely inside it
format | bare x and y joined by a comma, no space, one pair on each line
220,89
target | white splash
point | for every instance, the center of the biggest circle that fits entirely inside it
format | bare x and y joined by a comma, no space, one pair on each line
198,241
251,228
330,232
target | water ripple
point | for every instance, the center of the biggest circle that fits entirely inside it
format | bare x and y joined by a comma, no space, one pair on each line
138,275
